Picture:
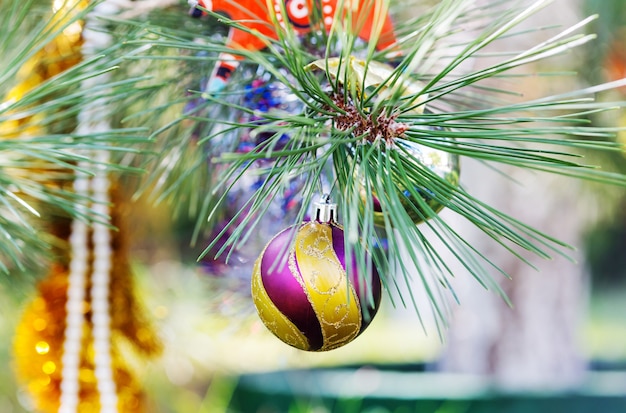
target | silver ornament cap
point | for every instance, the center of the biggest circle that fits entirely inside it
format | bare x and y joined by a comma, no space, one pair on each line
325,210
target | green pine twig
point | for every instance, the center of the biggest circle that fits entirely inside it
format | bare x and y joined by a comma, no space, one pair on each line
466,116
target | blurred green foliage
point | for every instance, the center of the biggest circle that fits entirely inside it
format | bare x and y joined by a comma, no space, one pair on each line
605,245
605,242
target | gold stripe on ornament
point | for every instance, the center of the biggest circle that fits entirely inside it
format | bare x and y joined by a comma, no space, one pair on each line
271,316
326,285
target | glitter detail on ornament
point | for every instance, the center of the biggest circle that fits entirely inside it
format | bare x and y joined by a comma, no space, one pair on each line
302,291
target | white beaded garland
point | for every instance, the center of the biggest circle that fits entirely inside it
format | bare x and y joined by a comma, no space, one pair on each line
91,119
100,290
75,296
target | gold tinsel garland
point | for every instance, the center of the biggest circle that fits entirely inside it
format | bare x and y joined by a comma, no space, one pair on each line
39,339
54,58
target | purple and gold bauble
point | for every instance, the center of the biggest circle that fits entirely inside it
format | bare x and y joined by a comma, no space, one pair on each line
308,300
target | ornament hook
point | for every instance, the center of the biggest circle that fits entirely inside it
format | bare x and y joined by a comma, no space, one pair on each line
325,210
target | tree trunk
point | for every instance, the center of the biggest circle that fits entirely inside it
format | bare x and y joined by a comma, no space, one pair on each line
535,343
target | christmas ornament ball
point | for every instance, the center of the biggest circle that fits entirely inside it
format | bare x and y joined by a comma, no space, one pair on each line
309,301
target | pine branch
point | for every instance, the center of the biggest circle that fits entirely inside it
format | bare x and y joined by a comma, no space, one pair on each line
41,74
348,135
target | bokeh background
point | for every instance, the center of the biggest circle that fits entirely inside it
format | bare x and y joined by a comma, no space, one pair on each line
563,341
